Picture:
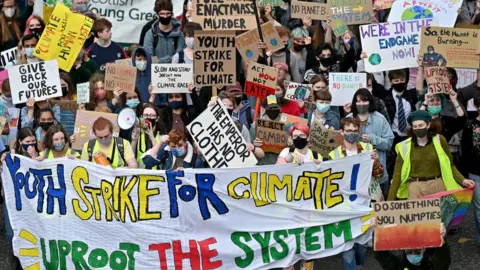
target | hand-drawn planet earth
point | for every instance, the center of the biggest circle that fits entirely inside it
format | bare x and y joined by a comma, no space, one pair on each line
416,12
375,59
249,53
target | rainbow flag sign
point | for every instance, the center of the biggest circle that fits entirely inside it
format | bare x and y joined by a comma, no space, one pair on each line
454,205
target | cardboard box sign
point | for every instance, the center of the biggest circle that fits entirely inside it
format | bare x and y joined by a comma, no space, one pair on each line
437,80
122,76
261,80
273,135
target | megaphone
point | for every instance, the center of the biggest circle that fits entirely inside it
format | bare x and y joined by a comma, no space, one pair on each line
126,118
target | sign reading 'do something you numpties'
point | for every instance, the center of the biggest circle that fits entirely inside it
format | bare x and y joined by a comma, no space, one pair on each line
39,80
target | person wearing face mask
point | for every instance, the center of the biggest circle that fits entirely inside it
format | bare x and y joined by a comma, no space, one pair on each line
324,60
57,145
79,6
83,68
6,96
104,50
375,129
355,258
99,97
292,107
242,109
174,153
32,109
117,151
185,56
67,103
299,35
165,38
35,25
13,23
327,115
142,60
377,90
45,120
29,42
299,153
284,55
424,163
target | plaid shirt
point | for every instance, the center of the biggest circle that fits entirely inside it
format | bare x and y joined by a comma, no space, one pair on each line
377,170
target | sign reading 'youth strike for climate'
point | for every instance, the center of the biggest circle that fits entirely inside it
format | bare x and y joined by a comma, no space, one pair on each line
392,45
66,213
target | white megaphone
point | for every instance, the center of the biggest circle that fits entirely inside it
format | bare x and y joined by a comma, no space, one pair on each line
126,118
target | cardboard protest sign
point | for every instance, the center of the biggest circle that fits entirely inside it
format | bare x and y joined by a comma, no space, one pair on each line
63,37
171,78
261,80
437,80
338,27
384,4
317,11
272,3
394,45
247,43
465,78
39,80
450,47
343,86
9,57
298,91
220,15
444,11
120,76
412,224
291,120
352,12
219,139
214,58
202,214
83,126
83,93
324,140
273,136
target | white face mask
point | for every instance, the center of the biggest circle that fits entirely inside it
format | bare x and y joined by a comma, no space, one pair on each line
9,12
141,65
189,42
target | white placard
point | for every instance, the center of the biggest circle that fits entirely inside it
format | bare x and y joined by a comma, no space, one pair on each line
392,45
445,11
9,57
343,86
171,78
39,80
83,93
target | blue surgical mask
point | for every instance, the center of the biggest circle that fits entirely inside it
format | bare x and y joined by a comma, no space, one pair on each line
29,52
133,103
323,108
105,141
415,259
178,152
59,146
141,65
352,138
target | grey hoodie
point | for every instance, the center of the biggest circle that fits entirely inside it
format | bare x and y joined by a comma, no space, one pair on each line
165,48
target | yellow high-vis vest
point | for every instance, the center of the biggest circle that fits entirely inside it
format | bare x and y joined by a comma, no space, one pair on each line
338,153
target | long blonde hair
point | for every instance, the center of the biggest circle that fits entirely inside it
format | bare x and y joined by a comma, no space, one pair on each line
5,29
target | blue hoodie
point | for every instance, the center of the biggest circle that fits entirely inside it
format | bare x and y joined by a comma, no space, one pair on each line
242,114
143,77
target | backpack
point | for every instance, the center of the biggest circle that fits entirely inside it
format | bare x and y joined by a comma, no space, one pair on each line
155,42
118,141
287,57
314,154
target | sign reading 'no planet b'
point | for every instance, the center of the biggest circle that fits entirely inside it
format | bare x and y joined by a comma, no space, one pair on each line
39,80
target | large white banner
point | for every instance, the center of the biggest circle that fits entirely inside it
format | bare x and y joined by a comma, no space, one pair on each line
392,45
445,11
70,213
128,16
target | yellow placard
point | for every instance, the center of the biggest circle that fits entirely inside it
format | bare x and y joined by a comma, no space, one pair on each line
63,37
47,12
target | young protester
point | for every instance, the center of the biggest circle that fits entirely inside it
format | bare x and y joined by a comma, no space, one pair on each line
99,97
319,83
174,153
142,60
44,118
83,68
104,50
29,42
185,56
375,129
12,23
283,75
424,163
69,96
299,153
327,115
165,38
146,137
35,25
32,109
287,106
117,151
354,258
242,109
299,35
377,90
57,145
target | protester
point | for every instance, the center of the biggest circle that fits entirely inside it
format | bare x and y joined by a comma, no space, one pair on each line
185,56
35,25
299,35
378,90
104,50
30,113
12,22
165,38
29,42
292,107
319,83
117,152
99,97
300,152
425,168
242,109
328,116
142,60
83,68
57,145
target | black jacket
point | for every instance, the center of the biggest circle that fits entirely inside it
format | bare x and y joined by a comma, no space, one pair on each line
145,29
409,95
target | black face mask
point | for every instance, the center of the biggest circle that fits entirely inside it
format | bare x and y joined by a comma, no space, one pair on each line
230,111
300,143
272,114
37,31
165,21
45,125
399,87
298,47
238,100
64,90
284,49
326,62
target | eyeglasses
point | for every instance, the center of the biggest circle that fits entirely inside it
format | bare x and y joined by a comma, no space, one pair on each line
302,136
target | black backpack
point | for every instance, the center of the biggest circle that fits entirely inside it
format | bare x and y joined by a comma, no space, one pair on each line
118,141
155,42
